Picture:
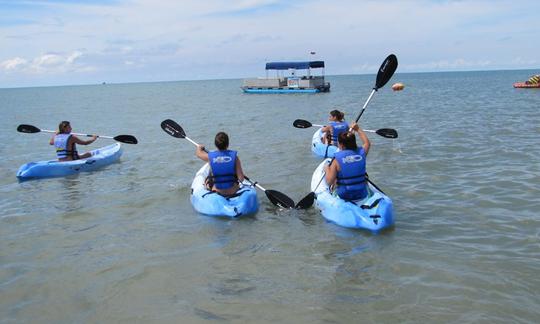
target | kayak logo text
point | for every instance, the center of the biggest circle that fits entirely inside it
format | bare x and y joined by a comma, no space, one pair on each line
351,159
222,159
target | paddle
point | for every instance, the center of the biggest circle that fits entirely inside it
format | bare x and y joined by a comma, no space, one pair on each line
387,69
384,132
128,139
277,198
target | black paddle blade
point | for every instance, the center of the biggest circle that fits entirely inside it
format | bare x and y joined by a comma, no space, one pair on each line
387,69
387,132
306,202
23,128
128,139
172,128
300,123
279,199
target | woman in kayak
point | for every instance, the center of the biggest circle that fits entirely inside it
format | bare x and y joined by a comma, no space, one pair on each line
225,166
65,143
336,126
347,171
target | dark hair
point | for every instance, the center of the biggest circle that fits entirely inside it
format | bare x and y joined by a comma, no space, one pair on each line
337,114
62,126
348,140
222,141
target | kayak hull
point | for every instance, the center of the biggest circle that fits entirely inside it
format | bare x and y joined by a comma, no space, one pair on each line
100,158
319,148
526,85
374,213
213,204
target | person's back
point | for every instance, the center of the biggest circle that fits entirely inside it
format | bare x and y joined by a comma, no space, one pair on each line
336,126
225,166
65,143
351,176
347,171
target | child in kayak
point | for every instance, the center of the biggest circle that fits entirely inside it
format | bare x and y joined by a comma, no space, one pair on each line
336,126
347,171
65,143
225,166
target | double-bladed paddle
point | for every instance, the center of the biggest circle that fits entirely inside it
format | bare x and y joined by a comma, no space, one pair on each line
387,69
277,198
384,132
128,139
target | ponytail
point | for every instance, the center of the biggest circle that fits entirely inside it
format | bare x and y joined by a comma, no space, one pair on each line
348,140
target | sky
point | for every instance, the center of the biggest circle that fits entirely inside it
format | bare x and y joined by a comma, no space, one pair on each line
63,42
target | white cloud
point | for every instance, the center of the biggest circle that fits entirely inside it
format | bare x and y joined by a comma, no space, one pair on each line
52,63
13,64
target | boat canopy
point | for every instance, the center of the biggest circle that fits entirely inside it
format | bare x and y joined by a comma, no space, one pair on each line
294,65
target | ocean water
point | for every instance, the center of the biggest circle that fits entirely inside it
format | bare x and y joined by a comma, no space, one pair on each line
124,244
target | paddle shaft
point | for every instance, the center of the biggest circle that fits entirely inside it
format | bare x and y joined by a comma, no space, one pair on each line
365,105
365,130
88,135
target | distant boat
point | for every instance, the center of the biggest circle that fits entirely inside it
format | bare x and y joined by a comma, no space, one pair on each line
289,84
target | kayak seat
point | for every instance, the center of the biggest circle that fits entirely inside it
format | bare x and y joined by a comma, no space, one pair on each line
374,204
236,194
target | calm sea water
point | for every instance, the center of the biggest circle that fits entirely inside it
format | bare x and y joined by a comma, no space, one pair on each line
124,244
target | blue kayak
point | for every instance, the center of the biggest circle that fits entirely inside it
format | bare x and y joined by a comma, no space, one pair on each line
319,148
373,213
207,202
101,157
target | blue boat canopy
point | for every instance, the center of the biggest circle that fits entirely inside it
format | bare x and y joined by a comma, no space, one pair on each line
294,65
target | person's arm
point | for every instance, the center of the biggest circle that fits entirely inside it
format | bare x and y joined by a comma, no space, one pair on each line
51,142
201,153
77,140
331,172
239,171
366,144
326,129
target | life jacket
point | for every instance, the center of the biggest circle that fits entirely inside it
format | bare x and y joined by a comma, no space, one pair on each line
351,179
338,128
223,165
61,142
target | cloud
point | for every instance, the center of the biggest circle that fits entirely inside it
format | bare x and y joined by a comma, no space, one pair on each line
13,64
51,63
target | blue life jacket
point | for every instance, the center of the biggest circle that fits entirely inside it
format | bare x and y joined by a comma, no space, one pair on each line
351,179
223,165
338,128
61,142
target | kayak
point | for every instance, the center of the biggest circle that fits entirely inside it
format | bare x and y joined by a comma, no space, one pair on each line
373,213
319,148
526,85
207,202
101,157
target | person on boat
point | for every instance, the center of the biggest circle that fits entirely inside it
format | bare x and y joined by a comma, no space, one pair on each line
535,79
225,166
347,171
336,126
65,143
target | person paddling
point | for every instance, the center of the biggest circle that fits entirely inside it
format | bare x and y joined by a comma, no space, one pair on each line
336,126
65,143
225,166
347,171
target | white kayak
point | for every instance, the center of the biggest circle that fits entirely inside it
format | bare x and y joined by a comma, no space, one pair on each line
207,202
319,148
373,213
